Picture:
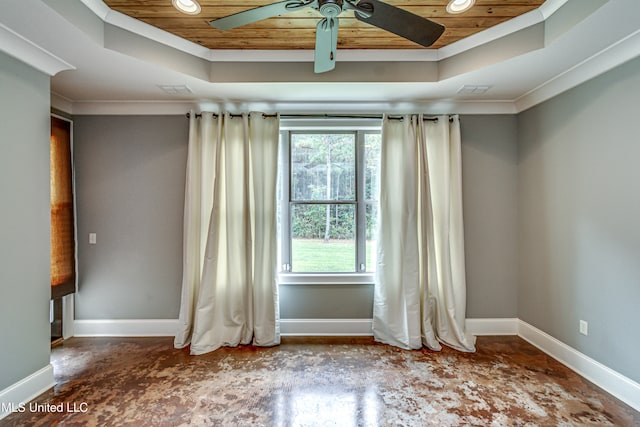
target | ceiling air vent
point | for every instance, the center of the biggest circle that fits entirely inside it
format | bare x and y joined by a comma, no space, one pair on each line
473,89
176,89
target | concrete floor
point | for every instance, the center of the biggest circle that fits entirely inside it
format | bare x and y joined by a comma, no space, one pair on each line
316,382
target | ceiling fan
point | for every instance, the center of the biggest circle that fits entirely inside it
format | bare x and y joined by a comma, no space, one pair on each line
382,15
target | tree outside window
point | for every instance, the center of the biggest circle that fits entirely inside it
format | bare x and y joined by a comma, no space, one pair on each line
332,197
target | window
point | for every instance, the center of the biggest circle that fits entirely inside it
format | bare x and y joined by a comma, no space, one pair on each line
329,196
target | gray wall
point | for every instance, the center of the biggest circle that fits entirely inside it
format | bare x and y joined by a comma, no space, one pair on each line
130,174
25,221
130,190
489,188
489,163
579,223
326,301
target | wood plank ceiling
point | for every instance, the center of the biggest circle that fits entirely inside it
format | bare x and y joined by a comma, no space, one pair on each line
297,30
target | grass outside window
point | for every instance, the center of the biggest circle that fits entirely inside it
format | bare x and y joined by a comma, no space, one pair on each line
334,256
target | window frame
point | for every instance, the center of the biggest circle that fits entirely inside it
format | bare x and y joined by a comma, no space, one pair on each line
359,127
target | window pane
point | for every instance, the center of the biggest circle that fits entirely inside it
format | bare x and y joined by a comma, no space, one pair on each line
372,144
371,236
323,166
323,238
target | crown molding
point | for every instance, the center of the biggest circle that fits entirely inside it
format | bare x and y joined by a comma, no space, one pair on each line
13,44
181,107
98,7
342,55
550,7
143,29
131,108
597,64
61,103
496,32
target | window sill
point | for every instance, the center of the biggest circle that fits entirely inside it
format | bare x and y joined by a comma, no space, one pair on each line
325,278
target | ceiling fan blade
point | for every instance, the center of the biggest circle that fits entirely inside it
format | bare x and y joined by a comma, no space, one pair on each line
399,21
259,13
326,45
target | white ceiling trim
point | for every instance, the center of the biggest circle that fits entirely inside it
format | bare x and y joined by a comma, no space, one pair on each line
181,107
342,55
156,34
142,108
13,44
61,103
550,7
599,63
498,31
98,7
491,34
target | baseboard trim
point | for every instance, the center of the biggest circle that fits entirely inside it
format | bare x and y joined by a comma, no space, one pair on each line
12,397
311,327
326,327
613,382
125,328
67,316
604,377
343,327
498,326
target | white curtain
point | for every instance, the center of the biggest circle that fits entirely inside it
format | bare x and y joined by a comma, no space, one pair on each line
229,290
420,288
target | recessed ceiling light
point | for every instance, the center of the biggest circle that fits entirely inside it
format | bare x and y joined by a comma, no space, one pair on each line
459,6
190,7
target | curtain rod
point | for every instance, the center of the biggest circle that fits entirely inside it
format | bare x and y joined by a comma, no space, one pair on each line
327,116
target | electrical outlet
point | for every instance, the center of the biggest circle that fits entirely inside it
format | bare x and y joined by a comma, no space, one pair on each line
584,327
92,238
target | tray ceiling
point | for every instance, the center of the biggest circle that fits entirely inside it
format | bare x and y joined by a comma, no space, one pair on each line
297,30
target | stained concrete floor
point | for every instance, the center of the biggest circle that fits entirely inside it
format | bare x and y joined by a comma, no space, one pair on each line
316,382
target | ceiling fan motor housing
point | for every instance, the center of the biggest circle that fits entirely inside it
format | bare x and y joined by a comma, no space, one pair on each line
330,8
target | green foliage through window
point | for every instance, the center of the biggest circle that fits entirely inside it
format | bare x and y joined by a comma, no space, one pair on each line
324,200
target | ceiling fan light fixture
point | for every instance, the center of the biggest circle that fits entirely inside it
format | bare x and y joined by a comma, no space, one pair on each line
190,7
459,6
